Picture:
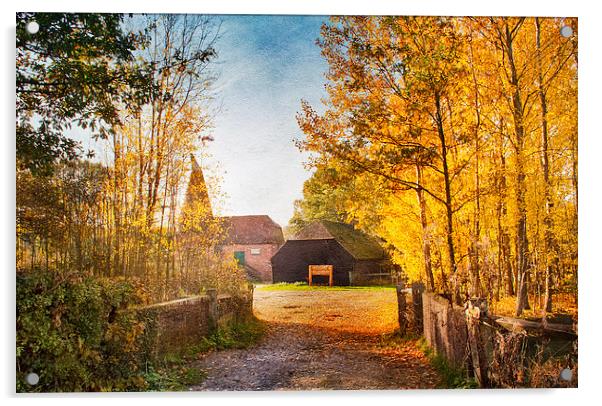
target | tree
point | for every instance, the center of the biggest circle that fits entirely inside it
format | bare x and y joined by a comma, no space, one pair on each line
392,87
128,218
78,69
440,126
323,199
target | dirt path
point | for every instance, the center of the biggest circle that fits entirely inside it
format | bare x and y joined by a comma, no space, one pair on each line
321,340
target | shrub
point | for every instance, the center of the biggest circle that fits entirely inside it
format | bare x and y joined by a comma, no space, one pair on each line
71,332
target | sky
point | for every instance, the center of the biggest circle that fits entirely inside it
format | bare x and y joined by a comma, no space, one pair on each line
267,64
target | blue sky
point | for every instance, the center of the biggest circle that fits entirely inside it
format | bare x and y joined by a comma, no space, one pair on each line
267,64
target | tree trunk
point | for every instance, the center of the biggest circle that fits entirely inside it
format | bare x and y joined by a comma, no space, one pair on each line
549,243
33,253
47,253
522,244
160,237
475,277
426,244
117,184
504,265
448,201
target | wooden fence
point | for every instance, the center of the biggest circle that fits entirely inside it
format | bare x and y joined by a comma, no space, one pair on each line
468,337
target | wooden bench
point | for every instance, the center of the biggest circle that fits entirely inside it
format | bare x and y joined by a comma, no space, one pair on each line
320,270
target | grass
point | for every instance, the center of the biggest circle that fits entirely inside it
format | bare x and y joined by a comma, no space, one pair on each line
451,377
236,335
302,286
396,341
176,372
173,376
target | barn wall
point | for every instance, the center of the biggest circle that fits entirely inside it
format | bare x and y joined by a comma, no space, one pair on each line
291,262
373,272
261,263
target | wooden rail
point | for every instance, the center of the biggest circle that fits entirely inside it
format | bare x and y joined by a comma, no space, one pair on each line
521,324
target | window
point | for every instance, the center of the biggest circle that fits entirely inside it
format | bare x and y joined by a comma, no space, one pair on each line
240,257
255,251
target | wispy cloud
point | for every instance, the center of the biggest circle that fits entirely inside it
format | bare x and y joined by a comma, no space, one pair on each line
267,65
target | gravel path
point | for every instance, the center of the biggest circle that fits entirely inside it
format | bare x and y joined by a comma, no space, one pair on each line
321,340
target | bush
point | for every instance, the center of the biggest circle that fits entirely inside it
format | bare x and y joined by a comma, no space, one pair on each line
173,376
71,332
547,374
522,360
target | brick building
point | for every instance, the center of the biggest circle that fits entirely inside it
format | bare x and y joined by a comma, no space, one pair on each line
253,240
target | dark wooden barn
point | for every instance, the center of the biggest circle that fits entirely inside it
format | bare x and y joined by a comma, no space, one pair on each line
356,257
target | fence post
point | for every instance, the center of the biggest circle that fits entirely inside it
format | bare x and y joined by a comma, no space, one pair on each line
417,289
212,316
401,309
475,310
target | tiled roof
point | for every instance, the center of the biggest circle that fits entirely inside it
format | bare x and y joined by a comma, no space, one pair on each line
259,229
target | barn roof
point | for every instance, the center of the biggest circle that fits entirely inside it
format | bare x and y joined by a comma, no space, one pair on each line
260,229
359,244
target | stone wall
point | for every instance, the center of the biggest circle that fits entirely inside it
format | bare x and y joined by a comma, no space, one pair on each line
233,309
171,327
445,328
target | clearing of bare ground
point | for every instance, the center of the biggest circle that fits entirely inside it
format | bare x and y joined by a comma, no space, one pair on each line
320,340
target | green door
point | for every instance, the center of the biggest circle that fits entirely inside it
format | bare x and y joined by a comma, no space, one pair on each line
240,257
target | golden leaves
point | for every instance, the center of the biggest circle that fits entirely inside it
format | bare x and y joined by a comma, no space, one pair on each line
401,86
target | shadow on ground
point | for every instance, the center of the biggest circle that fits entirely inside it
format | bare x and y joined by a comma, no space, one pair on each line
317,340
